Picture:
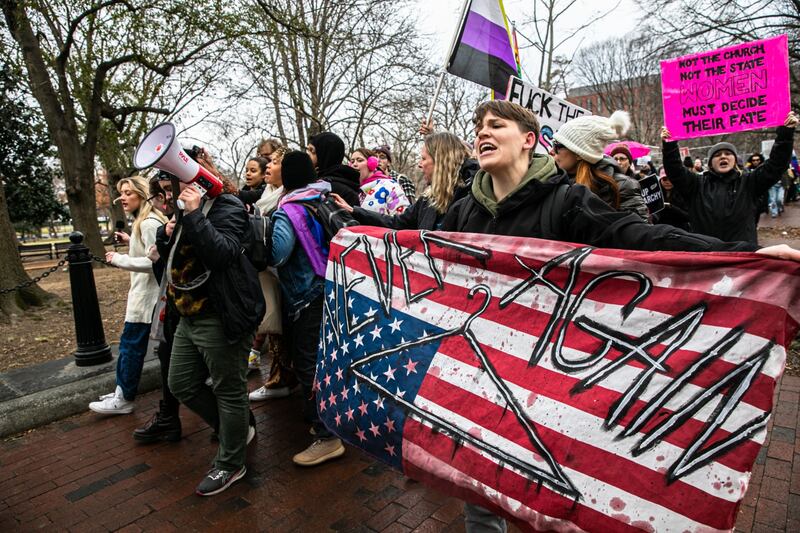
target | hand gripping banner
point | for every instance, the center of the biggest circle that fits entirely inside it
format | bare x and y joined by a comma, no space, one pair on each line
562,386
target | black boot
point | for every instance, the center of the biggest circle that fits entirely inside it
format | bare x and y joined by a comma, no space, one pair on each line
162,426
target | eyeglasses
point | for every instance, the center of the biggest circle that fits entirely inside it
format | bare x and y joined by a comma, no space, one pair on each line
557,146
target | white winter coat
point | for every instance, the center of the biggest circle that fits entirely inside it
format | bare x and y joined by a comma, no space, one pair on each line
143,293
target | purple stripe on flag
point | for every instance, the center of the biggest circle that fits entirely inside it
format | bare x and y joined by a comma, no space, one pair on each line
486,36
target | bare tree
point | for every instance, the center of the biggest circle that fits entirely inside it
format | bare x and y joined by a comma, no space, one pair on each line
624,74
708,24
80,58
545,39
337,68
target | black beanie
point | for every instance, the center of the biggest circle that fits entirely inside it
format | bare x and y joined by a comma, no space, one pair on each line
297,170
330,149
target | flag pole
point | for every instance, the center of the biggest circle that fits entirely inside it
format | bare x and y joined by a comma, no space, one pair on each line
446,61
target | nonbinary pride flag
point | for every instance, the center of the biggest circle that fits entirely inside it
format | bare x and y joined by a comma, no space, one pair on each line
559,385
483,53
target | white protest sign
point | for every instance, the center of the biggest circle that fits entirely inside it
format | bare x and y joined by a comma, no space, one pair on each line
766,147
551,110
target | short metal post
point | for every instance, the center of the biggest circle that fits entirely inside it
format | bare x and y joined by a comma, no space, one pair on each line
92,347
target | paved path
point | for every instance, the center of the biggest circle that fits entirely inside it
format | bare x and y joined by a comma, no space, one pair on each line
86,474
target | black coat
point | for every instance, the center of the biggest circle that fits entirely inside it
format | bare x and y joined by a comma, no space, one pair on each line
584,218
421,215
233,288
250,196
345,181
725,206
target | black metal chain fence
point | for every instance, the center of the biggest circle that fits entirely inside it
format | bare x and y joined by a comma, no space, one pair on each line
40,277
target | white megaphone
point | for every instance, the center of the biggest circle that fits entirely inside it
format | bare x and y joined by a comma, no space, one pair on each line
160,149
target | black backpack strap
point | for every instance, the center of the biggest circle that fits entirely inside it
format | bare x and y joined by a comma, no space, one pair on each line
551,212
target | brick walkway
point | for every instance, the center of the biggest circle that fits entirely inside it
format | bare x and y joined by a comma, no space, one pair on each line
86,474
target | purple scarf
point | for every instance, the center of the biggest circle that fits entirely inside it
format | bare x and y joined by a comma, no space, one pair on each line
298,217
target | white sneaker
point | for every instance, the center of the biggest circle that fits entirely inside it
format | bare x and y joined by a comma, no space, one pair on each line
251,433
109,395
114,404
263,393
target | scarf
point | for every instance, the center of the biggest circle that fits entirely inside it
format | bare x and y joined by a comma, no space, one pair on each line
269,198
377,175
306,228
313,191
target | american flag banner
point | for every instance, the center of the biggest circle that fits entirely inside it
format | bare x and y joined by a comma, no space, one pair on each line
562,386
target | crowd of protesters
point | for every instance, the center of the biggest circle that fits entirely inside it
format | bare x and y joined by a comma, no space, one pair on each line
215,314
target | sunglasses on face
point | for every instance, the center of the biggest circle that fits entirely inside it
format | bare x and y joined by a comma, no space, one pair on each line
557,146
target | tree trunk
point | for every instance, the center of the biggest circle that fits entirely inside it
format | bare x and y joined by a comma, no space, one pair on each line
77,160
117,213
12,273
82,201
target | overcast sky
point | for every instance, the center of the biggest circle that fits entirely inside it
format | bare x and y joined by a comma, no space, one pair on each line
439,19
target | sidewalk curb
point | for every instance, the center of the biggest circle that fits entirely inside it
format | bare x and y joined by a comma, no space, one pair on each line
45,406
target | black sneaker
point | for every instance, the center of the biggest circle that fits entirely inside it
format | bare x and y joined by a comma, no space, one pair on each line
160,427
218,480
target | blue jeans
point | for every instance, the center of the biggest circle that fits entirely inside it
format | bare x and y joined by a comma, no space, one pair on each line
775,199
132,349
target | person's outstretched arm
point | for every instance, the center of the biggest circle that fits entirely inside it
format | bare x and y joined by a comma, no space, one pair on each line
681,177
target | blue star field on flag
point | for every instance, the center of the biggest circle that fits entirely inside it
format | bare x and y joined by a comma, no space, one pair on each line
352,406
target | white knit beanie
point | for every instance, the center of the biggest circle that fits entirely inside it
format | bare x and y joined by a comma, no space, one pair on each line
588,136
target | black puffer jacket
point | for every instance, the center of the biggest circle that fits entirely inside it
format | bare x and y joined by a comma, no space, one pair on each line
724,206
630,193
233,288
421,214
583,218
345,181
250,195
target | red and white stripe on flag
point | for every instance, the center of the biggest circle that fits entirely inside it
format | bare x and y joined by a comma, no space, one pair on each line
573,388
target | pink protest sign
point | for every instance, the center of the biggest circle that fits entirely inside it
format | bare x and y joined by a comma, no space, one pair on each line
736,88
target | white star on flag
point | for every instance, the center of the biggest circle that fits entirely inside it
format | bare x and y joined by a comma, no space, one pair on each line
395,325
389,373
410,367
376,333
374,429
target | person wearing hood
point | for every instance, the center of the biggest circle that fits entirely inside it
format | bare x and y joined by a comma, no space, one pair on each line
442,160
326,151
516,187
578,150
300,254
723,201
